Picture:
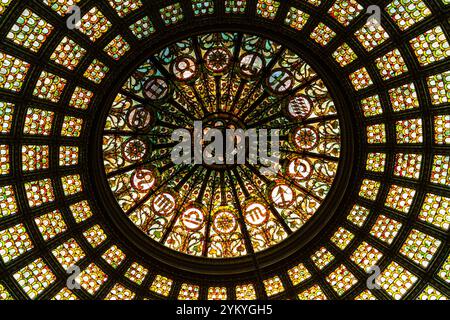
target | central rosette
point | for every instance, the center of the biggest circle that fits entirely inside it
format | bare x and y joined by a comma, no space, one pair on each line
221,145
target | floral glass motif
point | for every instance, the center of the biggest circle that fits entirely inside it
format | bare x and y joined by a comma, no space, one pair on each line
4,160
92,278
365,295
217,293
444,271
400,198
342,238
72,127
430,47
322,258
72,184
376,133
161,285
385,229
114,256
376,162
68,253
360,79
273,286
6,116
371,106
298,274
341,280
4,5
315,2
358,215
68,155
441,170
49,86
34,278
406,13
119,292
430,293
366,256
81,211
81,98
369,189
136,273
313,293
65,294
39,192
409,131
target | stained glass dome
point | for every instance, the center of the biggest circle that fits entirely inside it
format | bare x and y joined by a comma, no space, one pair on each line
358,91
221,80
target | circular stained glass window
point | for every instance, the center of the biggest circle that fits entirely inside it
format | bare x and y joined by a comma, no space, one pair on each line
166,145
